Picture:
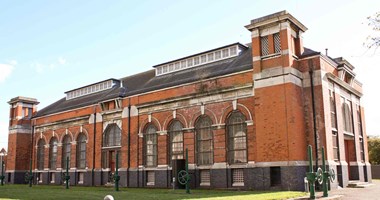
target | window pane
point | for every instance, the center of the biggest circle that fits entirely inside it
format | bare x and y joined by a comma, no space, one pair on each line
204,140
150,141
237,138
264,46
112,136
176,141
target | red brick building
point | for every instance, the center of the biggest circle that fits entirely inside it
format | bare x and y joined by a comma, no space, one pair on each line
246,114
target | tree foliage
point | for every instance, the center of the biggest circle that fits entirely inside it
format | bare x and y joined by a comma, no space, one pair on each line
373,41
374,150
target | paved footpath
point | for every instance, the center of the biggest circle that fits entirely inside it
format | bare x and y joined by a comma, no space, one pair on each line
371,192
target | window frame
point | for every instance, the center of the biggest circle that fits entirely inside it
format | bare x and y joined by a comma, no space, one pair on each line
277,43
66,151
81,152
113,132
41,154
200,131
150,134
240,126
174,130
347,117
264,46
53,154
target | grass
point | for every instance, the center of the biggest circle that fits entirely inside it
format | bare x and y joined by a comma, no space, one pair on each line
59,192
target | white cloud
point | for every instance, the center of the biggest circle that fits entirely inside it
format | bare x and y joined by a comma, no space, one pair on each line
38,67
61,61
42,67
6,71
12,62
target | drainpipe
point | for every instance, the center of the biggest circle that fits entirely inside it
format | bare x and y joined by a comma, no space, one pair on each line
31,151
311,72
93,149
129,140
138,152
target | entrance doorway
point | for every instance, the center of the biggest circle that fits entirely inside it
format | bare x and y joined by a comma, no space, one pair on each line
109,159
349,149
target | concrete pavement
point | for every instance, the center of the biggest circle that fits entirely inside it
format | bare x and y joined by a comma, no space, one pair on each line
368,193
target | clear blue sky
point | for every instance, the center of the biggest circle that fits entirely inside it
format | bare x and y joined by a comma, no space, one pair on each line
49,47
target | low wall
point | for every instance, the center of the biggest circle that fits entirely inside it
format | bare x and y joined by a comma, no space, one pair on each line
375,171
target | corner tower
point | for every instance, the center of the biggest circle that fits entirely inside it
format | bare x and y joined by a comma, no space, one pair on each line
20,137
277,79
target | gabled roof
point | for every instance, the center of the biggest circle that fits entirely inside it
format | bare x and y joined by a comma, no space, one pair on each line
147,81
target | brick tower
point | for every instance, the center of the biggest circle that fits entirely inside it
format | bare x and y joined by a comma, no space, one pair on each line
19,138
279,113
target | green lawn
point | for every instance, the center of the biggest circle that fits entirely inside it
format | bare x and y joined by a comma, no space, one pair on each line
59,192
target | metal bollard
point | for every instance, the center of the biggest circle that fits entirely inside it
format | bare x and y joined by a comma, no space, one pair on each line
116,176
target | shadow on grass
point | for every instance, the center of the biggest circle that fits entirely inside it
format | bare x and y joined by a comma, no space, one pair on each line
59,192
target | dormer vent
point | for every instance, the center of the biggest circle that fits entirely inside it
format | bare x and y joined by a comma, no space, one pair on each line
207,57
90,89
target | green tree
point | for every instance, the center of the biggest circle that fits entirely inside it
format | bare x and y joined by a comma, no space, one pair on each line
374,150
373,41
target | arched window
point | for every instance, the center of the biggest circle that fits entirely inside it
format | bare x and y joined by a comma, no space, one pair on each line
111,145
40,154
53,149
176,141
81,151
205,149
66,151
237,138
332,112
347,117
150,143
112,136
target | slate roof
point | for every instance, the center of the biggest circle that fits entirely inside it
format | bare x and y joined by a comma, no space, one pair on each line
147,81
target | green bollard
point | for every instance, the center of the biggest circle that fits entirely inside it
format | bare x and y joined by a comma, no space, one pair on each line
311,175
325,174
117,177
2,173
30,175
67,177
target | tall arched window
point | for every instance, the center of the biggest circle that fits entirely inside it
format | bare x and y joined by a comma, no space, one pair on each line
237,138
81,151
205,149
347,117
176,141
66,151
53,149
150,143
112,136
40,154
332,113
111,145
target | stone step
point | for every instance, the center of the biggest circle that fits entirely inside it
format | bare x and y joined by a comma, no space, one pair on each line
358,184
